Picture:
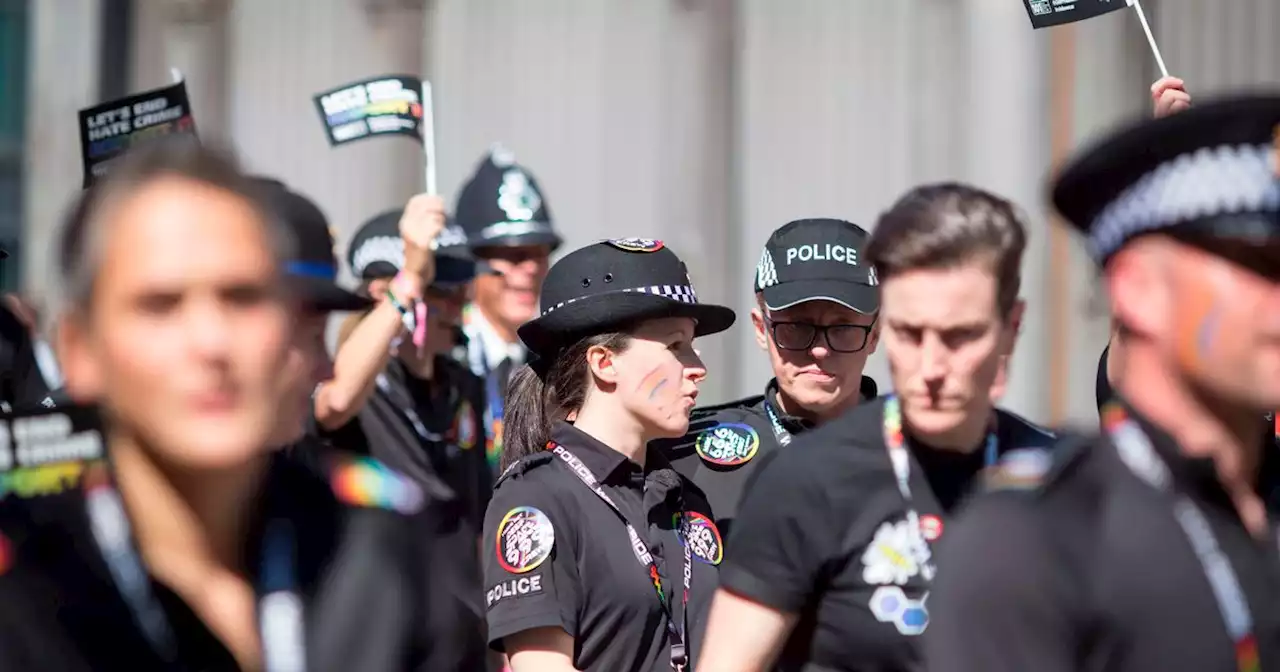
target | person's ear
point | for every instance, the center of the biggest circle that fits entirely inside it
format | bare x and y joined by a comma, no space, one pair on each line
601,364
74,349
760,328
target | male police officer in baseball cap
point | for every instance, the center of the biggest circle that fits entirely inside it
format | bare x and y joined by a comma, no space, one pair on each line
1152,547
425,416
816,317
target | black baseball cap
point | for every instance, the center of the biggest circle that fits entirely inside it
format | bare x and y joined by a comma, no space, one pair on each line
377,251
503,206
817,260
1210,173
313,270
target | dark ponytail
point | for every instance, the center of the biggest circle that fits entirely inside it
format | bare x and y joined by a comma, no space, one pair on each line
545,392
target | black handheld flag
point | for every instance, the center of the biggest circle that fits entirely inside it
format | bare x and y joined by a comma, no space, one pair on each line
1045,13
112,128
379,106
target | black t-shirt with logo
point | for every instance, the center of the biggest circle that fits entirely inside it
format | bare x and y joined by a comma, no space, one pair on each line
556,555
432,431
823,533
726,443
384,580
1092,566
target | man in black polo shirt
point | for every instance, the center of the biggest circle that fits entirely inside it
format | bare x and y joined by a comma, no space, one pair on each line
816,317
1153,546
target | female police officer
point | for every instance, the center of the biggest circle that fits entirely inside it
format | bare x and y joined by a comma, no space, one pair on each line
831,559
598,555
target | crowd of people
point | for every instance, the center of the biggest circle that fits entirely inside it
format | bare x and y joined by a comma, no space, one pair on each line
503,464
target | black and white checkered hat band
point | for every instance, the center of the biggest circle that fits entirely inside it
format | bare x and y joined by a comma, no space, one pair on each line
1212,181
681,293
387,249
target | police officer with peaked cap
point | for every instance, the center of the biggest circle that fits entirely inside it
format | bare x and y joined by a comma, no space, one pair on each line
508,224
816,314
597,554
426,416
1152,546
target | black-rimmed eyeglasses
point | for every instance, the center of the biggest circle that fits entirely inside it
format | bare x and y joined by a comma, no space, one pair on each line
802,335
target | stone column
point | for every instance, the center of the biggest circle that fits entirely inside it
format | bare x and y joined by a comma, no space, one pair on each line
195,43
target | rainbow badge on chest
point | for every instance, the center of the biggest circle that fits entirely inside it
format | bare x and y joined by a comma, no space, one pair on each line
702,537
728,444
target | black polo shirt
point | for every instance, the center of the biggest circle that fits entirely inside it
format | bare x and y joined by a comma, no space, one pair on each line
383,585
556,555
1089,568
726,443
823,534
427,430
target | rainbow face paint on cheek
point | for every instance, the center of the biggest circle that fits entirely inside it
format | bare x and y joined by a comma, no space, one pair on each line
1207,332
661,384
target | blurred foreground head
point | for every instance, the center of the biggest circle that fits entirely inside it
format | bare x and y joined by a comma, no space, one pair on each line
176,317
1183,212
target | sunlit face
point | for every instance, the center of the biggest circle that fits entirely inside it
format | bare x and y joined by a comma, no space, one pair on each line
187,338
511,295
820,378
307,366
944,337
1215,320
657,376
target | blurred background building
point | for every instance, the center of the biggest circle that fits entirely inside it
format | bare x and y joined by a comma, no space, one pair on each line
706,123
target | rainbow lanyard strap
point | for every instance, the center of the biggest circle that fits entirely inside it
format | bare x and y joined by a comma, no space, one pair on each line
895,442
679,650
1136,452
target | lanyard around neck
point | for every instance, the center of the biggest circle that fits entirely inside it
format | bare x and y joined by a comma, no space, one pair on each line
679,650
775,421
279,612
1136,452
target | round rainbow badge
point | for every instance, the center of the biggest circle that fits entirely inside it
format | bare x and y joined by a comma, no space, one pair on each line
702,537
525,539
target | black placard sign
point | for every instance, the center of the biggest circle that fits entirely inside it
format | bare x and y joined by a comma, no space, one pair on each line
1046,13
390,105
46,452
110,129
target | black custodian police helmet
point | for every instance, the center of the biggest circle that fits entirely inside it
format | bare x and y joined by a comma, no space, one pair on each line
613,284
502,205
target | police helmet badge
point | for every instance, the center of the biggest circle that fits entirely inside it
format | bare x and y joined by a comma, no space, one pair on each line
702,537
525,539
636,244
517,197
728,444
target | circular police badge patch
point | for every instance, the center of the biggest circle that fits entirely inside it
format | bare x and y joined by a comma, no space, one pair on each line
525,539
464,426
703,538
728,444
636,244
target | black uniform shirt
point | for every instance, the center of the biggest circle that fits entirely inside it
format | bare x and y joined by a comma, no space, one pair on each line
380,588
427,430
22,385
726,443
823,534
556,555
1091,570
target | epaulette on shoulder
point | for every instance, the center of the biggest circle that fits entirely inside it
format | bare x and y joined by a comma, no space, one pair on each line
361,481
1034,469
523,466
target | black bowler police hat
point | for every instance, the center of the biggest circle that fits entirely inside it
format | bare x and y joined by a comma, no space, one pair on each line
615,283
502,206
377,251
817,260
313,270
1207,172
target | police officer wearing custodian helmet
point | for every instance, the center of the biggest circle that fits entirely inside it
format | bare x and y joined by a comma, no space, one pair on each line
1152,546
598,555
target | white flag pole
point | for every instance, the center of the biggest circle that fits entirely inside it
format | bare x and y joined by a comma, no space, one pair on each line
1151,39
176,74
429,137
